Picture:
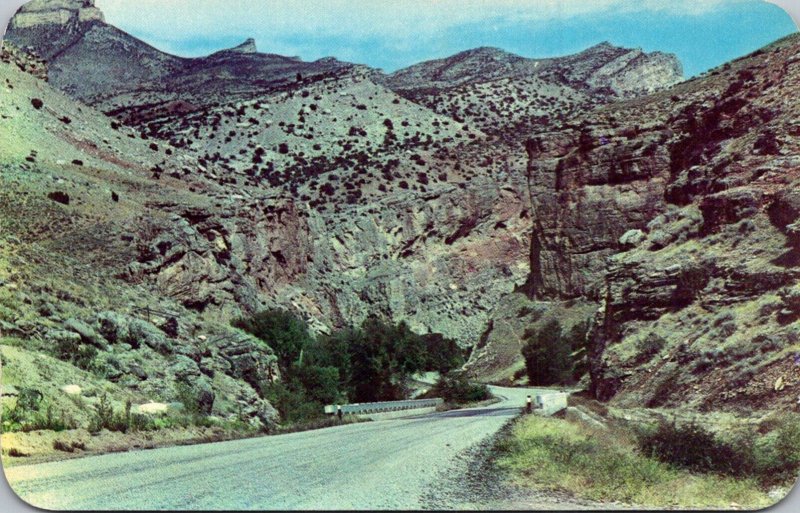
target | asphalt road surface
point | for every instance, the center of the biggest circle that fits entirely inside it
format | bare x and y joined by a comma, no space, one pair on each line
408,463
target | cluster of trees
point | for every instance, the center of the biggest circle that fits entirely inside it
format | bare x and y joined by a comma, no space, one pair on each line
553,356
371,362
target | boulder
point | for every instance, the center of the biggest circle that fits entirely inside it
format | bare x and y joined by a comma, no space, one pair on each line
632,238
249,359
71,390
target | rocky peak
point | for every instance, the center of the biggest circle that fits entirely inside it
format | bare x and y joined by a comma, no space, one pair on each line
622,72
484,63
249,46
55,12
604,68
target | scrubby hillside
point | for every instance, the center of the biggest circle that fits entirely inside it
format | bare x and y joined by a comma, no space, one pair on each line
76,192
342,198
508,95
242,181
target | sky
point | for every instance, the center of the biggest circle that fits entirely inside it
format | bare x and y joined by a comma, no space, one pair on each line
391,34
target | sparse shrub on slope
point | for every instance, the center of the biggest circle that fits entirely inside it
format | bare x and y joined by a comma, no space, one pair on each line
695,448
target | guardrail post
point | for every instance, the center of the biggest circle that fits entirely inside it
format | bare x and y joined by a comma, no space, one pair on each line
339,413
529,405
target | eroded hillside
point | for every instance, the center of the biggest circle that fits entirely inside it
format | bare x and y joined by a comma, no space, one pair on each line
376,204
478,196
76,194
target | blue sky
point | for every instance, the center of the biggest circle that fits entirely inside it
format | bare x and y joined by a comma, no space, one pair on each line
391,34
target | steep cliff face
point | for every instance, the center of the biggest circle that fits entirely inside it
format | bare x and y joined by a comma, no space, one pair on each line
675,214
622,72
589,185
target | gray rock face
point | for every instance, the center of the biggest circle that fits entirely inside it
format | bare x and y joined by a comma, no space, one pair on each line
55,12
249,359
588,188
249,46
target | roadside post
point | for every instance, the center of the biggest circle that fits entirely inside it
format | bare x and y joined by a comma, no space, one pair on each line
529,405
339,412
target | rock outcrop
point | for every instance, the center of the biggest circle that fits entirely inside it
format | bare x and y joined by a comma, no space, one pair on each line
55,12
249,46
674,214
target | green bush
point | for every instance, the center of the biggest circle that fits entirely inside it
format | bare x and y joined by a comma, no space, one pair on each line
456,388
777,453
649,346
293,404
321,383
695,448
105,417
772,457
281,330
50,419
547,356
32,413
607,466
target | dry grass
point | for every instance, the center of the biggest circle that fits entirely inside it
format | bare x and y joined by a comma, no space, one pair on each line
606,466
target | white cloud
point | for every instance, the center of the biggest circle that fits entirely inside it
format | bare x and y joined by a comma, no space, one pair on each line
388,19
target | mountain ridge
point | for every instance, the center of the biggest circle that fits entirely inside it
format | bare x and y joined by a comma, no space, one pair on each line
473,196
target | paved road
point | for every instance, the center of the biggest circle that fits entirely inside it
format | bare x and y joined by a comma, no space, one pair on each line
397,464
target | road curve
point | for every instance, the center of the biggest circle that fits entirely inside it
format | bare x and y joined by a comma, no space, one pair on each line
392,464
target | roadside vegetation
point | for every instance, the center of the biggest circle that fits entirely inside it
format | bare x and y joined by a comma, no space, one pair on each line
554,356
30,412
662,465
457,391
372,362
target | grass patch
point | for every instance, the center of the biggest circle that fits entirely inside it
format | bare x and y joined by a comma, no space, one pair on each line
607,466
771,455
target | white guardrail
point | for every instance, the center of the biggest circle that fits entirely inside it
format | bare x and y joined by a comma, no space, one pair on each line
386,406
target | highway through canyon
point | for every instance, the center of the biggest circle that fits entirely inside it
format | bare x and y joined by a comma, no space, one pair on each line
418,462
